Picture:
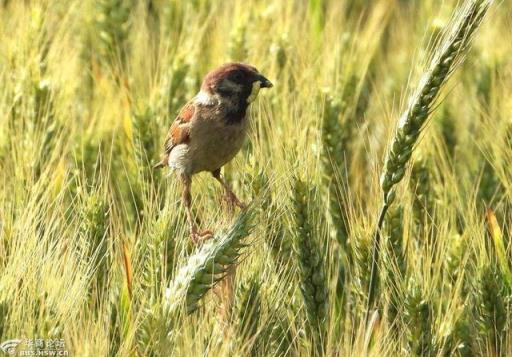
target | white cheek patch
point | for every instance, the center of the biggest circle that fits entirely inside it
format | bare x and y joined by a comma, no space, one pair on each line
205,98
254,92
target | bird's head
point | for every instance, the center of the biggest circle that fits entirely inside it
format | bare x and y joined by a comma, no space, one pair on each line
235,81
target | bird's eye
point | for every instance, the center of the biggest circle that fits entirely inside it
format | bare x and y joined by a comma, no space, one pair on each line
237,76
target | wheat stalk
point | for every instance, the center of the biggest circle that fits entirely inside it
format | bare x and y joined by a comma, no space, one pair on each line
445,59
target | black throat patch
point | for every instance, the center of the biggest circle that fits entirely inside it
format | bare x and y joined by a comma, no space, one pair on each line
237,112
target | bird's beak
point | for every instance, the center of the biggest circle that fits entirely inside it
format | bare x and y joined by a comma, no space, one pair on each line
265,83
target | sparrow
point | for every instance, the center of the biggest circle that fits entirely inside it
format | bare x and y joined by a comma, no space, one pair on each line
210,130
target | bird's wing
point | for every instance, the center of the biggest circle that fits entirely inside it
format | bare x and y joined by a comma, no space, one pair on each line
178,133
180,129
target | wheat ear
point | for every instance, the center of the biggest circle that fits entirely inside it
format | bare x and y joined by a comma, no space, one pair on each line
311,263
445,59
208,266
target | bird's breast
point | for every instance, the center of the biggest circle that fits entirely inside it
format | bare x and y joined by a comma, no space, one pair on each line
213,143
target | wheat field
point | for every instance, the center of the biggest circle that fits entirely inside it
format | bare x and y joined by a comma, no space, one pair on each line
388,134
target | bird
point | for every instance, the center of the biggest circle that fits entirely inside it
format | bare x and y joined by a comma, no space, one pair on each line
210,130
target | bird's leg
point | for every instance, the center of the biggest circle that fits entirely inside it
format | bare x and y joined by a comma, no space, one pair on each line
196,236
229,195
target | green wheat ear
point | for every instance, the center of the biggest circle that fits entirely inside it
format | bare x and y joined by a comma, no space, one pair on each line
94,235
311,262
237,46
491,306
4,311
112,27
445,59
207,266
248,311
418,319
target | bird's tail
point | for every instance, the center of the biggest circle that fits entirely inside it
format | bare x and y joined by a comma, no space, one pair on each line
163,162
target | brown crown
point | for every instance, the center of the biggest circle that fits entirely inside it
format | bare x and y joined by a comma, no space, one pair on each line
240,73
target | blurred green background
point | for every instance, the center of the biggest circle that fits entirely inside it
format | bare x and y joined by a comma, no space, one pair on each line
91,236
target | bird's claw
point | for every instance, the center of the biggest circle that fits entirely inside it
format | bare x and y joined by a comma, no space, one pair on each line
232,201
200,237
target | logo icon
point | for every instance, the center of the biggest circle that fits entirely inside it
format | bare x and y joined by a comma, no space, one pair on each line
9,346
